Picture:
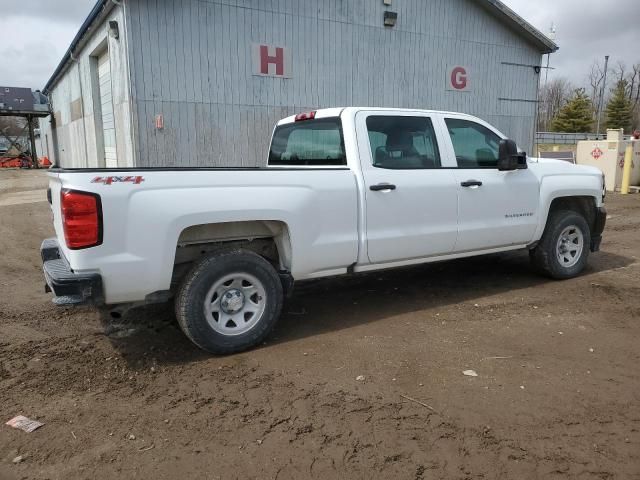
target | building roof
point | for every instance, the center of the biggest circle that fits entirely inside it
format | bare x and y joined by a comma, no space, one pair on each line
520,25
495,7
102,7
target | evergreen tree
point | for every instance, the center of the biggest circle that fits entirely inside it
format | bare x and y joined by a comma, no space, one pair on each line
575,116
619,108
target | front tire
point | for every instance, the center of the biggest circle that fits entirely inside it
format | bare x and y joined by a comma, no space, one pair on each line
563,250
229,301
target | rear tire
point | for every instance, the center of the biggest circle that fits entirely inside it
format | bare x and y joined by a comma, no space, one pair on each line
563,250
229,301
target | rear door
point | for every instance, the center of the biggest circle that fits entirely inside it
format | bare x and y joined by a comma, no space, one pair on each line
410,199
496,209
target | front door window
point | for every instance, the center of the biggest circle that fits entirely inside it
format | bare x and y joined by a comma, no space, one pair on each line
475,145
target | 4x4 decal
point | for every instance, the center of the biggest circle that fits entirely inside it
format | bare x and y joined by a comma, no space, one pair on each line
128,179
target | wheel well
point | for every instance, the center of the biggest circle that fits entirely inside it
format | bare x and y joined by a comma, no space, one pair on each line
585,206
269,239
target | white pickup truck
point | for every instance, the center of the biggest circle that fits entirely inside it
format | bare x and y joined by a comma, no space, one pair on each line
345,191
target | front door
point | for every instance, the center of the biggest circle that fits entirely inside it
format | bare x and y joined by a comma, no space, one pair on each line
410,199
496,209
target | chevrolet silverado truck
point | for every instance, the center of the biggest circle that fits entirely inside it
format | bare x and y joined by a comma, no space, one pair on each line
344,191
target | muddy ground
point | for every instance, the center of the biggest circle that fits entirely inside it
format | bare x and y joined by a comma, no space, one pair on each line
557,394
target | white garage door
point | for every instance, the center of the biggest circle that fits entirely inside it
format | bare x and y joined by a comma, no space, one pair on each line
106,105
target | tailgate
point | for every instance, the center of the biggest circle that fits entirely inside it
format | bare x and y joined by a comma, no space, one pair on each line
53,195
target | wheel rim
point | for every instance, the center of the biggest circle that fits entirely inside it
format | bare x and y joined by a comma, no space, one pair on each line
235,304
570,246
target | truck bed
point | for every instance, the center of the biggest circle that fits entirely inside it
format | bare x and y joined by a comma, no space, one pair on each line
146,210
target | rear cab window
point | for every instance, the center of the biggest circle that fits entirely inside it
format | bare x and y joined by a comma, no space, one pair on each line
308,143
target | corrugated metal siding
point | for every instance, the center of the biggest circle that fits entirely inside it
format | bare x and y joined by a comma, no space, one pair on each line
192,63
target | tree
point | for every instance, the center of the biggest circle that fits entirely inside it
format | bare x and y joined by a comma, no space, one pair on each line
634,95
619,108
596,80
576,115
553,96
11,126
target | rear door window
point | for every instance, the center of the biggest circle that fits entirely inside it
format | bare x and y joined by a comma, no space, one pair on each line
308,143
403,143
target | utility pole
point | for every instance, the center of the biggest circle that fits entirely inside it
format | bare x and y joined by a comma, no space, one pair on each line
602,90
552,36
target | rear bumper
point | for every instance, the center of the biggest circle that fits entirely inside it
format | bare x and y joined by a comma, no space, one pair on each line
598,227
69,287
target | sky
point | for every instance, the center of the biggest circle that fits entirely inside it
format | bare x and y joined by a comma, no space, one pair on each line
586,30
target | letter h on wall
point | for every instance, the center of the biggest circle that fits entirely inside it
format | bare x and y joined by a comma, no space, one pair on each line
271,61
266,60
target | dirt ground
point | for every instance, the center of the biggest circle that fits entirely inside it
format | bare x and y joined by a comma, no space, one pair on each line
557,394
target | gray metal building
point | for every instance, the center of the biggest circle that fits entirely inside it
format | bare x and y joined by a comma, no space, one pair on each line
202,82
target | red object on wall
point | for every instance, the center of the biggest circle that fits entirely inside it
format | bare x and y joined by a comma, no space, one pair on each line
266,60
459,78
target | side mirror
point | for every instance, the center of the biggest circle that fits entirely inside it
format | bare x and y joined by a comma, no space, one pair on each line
509,158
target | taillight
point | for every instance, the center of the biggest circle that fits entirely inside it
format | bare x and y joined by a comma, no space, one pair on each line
81,219
301,117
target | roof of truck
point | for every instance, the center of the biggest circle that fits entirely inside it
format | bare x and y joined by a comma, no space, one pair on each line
338,111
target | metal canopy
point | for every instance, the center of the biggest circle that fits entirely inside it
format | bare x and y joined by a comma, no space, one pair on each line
24,113
22,102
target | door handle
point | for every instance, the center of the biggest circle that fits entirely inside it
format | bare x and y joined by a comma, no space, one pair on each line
382,187
471,183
